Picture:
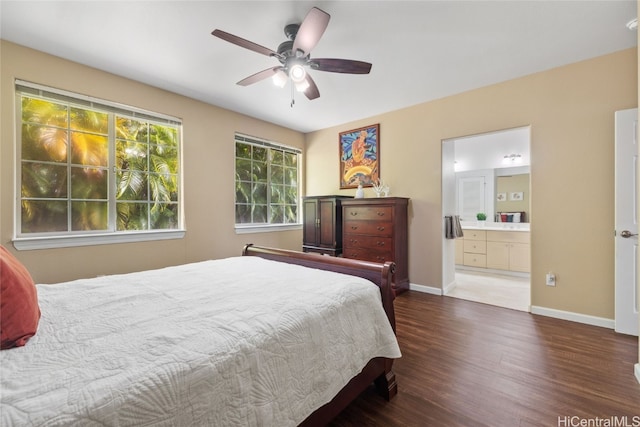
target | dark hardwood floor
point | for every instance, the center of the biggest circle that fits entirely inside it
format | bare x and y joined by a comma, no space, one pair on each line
471,364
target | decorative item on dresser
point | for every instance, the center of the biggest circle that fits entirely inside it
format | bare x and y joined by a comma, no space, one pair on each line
376,229
322,230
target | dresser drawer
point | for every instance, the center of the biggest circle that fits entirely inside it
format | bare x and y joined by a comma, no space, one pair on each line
362,241
376,213
372,228
367,254
475,246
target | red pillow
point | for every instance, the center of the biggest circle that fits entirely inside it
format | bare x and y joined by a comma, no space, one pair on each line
19,310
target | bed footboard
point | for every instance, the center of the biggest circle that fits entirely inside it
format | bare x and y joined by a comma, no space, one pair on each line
380,274
378,370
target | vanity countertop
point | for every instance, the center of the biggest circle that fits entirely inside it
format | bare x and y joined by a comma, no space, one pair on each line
511,227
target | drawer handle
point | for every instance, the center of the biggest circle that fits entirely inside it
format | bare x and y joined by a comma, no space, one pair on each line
380,213
380,228
380,243
354,241
354,227
380,258
354,213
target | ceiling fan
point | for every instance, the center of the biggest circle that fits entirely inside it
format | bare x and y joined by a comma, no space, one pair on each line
294,55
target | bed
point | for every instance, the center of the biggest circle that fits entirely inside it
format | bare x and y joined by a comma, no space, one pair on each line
270,338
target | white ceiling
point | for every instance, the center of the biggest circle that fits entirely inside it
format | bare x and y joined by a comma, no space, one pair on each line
487,151
420,50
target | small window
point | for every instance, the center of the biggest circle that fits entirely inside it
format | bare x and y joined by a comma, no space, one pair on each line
88,167
267,183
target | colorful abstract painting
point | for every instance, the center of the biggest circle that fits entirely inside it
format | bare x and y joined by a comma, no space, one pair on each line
360,156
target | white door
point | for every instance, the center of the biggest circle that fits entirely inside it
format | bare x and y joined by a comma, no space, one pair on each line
626,218
471,197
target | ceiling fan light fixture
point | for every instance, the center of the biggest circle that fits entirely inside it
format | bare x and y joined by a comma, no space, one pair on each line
297,73
302,86
279,78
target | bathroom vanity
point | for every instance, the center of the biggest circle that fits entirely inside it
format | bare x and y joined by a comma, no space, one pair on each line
497,248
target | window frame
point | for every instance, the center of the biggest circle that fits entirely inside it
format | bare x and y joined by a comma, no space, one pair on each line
244,228
45,240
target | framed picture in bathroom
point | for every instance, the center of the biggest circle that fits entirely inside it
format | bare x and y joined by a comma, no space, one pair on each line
359,152
516,196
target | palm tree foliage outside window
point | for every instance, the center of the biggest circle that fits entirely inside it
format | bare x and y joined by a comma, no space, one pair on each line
89,167
266,182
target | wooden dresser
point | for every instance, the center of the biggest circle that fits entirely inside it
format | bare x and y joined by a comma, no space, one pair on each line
376,230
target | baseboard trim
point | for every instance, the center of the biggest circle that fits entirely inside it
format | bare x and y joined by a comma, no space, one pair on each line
425,289
448,288
463,268
637,371
574,317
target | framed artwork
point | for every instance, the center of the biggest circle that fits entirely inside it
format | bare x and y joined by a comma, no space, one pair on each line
359,156
502,197
516,196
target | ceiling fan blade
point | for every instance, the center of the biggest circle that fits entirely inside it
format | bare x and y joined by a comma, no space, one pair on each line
310,31
312,91
340,65
261,75
243,43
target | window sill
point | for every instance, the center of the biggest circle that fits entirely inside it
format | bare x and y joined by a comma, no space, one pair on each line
31,243
246,229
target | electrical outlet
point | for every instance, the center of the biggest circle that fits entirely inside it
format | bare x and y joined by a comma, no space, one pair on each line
551,279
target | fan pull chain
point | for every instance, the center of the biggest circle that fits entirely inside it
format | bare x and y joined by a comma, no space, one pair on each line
293,101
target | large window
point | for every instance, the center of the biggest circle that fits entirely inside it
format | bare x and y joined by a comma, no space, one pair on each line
267,190
89,167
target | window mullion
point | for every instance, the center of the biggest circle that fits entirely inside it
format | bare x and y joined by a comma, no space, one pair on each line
69,193
111,167
269,186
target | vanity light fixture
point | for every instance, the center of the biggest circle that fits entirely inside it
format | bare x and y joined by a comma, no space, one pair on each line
512,159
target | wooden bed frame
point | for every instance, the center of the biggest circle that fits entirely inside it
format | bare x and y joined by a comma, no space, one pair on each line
378,370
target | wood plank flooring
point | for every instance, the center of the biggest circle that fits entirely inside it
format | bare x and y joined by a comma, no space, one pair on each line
470,364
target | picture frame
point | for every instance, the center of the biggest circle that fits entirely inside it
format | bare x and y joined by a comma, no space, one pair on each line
516,196
359,156
501,197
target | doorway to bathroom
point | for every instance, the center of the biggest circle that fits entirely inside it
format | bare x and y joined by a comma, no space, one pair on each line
486,186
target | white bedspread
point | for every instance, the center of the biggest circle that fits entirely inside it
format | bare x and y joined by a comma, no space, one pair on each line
194,345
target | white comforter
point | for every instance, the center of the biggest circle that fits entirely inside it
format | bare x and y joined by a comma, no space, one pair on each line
240,341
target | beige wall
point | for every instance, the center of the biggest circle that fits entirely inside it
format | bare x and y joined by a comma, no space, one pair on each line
571,113
570,110
208,150
637,367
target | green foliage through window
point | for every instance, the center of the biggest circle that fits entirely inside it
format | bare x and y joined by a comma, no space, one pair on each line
90,169
266,182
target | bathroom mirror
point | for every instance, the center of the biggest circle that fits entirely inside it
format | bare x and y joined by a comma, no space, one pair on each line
493,176
512,197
